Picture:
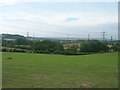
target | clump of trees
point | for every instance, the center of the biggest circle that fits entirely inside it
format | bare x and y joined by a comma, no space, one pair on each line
13,50
73,50
23,41
7,43
18,41
116,47
94,47
18,45
47,46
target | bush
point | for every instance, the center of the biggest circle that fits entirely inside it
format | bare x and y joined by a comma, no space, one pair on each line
23,47
94,47
116,47
47,46
13,50
69,52
58,52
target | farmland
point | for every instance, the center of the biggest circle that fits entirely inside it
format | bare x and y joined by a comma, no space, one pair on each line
60,71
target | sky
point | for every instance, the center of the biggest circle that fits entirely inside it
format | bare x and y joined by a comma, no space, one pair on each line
59,19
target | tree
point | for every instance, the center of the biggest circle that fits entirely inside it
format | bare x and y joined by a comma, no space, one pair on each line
47,46
22,41
94,47
116,47
74,48
7,43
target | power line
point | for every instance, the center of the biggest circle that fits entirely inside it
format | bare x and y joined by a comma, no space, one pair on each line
111,38
88,37
27,34
103,35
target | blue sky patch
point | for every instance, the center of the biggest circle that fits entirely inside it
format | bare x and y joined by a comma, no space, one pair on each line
71,19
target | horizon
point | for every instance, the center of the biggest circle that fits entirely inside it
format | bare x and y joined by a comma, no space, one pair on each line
62,38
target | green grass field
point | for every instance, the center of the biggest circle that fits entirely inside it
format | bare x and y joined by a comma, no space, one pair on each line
60,71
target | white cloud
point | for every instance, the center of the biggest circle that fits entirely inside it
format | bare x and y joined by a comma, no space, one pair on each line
11,2
55,31
52,18
85,19
8,2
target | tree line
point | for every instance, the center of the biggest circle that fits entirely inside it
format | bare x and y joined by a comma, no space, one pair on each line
55,47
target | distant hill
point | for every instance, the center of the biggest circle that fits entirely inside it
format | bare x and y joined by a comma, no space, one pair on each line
15,36
10,36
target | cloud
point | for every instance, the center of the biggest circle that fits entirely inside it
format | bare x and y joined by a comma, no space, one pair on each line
62,19
58,31
12,2
8,2
81,19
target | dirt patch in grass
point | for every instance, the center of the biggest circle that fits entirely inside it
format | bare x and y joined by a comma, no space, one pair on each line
67,84
86,85
75,84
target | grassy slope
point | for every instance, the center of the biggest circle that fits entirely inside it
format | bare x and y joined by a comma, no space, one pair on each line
42,71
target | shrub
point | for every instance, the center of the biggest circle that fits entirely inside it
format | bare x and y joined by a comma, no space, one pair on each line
94,47
47,46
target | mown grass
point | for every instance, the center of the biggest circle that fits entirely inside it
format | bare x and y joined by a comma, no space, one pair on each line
60,71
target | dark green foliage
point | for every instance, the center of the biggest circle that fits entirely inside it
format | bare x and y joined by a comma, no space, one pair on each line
27,47
8,43
47,46
116,47
22,41
13,50
94,47
69,52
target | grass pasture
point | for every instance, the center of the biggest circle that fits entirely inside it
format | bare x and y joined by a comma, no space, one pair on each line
23,70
